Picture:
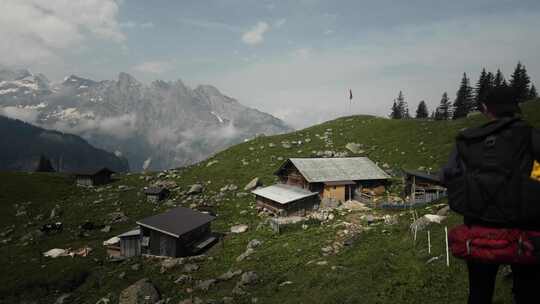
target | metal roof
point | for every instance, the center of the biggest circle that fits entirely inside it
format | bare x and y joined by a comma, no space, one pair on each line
176,221
134,232
425,175
317,170
282,193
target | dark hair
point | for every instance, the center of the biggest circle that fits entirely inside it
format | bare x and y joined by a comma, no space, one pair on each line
501,102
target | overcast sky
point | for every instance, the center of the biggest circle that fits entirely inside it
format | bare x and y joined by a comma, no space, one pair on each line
294,59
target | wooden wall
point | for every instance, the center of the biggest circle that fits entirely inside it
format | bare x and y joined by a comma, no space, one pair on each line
130,246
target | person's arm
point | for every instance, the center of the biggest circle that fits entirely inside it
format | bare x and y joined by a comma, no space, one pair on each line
450,168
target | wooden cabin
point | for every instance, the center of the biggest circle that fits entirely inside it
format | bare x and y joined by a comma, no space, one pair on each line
333,178
92,178
286,200
156,194
178,232
423,187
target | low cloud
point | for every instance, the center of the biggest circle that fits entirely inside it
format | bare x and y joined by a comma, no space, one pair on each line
24,114
121,127
256,34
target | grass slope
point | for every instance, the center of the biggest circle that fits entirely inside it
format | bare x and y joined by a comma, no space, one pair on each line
384,265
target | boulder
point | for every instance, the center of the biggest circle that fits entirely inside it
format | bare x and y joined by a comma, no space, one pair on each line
56,252
170,264
355,148
183,279
55,212
244,255
254,244
426,220
239,228
254,183
141,292
229,275
206,284
444,211
248,278
195,189
117,217
191,267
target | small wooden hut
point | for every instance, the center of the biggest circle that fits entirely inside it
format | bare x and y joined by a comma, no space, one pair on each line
92,178
178,232
423,187
156,194
333,178
286,200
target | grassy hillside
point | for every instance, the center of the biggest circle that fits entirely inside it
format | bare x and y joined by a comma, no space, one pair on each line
381,265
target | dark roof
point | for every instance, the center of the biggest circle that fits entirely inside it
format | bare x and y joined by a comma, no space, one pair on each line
94,171
424,175
339,183
177,221
155,190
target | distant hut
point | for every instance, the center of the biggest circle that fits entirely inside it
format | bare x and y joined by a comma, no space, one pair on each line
92,178
178,232
423,187
333,178
44,165
127,244
156,194
286,200
130,243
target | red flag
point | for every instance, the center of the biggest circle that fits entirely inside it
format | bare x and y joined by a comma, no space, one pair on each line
350,94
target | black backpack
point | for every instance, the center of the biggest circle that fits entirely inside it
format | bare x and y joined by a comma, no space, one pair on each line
492,182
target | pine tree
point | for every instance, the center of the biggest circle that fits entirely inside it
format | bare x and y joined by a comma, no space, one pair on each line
532,92
464,102
483,86
422,110
396,113
443,110
519,82
499,80
402,106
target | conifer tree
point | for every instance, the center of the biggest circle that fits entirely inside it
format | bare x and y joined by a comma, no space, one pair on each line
499,80
443,110
464,102
532,93
519,82
396,113
483,86
402,106
422,110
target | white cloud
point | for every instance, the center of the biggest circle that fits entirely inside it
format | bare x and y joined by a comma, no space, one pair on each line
154,67
328,32
38,30
256,34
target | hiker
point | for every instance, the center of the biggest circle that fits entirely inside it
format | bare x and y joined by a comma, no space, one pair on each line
492,179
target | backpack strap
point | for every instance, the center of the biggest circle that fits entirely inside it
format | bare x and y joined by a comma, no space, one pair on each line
535,142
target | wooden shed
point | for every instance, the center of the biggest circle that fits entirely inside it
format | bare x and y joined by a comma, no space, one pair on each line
178,232
423,187
156,194
92,178
286,200
333,178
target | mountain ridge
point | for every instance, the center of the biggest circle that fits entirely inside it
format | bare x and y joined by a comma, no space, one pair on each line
159,125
